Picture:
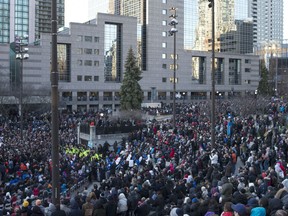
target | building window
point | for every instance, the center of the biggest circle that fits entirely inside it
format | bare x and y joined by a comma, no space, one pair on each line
96,63
164,34
247,70
87,78
164,11
64,62
112,49
172,78
88,63
80,51
247,61
164,45
164,66
79,78
88,38
88,51
96,78
234,71
172,67
79,38
79,62
96,39
164,23
164,79
247,81
199,69
172,56
164,56
96,51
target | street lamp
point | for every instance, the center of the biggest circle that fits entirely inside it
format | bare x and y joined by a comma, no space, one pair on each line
183,95
256,92
21,52
172,32
211,5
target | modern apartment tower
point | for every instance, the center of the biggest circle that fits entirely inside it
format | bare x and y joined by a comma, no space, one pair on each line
27,17
43,16
267,21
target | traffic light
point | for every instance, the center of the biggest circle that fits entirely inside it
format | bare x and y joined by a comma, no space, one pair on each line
211,2
17,44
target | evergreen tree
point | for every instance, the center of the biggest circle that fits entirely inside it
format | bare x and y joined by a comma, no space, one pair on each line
130,92
264,87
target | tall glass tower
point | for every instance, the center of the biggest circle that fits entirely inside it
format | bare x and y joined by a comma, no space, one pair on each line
27,17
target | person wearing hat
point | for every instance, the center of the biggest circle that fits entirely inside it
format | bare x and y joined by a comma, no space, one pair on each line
26,208
239,209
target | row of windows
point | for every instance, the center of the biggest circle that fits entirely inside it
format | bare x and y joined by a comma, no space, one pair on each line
88,51
87,63
87,38
88,78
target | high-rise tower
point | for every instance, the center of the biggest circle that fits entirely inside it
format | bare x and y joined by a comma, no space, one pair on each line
267,20
27,17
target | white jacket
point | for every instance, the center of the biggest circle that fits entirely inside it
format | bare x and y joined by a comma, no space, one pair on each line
122,203
214,158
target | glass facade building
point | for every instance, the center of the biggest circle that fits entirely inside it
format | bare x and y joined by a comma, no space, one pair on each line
4,21
27,17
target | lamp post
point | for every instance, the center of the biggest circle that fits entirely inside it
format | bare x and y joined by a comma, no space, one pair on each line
172,32
183,95
21,52
54,109
211,5
256,92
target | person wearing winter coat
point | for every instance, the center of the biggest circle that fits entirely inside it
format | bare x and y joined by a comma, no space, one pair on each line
87,207
64,206
99,209
111,206
26,208
50,209
122,205
227,209
75,210
36,211
274,205
58,211
226,190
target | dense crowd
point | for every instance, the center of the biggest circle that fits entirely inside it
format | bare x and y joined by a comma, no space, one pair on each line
156,170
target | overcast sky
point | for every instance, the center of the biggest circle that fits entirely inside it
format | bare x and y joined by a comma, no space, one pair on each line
77,11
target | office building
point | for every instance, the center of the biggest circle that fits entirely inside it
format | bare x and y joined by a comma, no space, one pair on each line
91,58
27,17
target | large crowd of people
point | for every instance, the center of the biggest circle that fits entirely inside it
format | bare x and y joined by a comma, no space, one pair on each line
156,170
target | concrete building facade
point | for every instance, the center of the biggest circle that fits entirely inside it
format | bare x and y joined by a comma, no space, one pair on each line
91,66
